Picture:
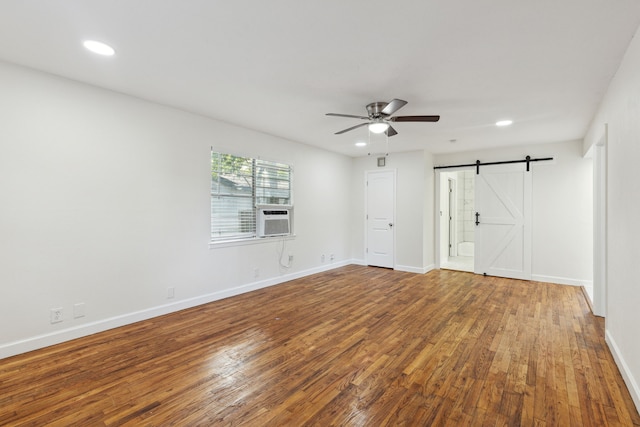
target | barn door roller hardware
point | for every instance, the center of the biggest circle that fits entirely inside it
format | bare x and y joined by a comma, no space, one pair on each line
478,163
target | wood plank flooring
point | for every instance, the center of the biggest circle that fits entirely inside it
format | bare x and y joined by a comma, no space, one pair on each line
355,346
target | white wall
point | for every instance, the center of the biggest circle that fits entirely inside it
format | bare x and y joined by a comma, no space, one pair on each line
620,110
562,208
414,209
105,201
429,220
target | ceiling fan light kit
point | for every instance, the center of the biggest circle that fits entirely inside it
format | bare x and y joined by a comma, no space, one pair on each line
379,116
378,127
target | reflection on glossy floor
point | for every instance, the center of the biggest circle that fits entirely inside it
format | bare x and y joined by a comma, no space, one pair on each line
353,346
460,263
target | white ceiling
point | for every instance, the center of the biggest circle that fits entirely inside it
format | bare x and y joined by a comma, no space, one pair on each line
278,66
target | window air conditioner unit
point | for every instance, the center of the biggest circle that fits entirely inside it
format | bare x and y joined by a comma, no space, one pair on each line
273,222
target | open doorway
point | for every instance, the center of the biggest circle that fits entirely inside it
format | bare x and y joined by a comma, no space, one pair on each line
457,230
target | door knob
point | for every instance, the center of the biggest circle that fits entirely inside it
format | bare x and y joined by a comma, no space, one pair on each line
477,218
390,224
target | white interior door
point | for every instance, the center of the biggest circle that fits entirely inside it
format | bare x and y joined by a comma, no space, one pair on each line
503,232
380,218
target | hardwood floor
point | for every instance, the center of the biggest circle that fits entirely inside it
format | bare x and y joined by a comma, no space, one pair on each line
356,346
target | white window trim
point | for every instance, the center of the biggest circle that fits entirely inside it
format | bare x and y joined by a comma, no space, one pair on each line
217,244
240,241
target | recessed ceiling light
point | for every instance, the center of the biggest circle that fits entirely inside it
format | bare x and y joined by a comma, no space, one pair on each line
504,122
99,47
361,144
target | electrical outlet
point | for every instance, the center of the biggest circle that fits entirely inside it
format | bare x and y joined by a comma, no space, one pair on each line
322,258
331,257
290,258
78,310
256,272
171,292
56,315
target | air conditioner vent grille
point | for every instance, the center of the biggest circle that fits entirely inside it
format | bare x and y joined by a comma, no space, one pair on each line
273,222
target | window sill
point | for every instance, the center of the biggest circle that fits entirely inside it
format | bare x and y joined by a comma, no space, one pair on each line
252,241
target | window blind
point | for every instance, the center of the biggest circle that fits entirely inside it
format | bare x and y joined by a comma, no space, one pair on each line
238,184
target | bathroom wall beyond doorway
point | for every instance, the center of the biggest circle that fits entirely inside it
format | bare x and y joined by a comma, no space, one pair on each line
458,244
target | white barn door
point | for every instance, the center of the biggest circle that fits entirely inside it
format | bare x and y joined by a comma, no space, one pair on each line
380,219
503,230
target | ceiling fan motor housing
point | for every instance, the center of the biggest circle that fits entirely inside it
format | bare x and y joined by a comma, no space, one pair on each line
375,109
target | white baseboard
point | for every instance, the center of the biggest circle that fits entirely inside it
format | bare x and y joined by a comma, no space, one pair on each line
589,289
45,340
562,280
417,270
407,268
627,376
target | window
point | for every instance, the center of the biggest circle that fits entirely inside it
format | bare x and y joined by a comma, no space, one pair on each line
238,185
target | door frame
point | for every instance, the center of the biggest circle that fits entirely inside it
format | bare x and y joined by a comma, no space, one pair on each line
366,209
600,249
439,210
453,216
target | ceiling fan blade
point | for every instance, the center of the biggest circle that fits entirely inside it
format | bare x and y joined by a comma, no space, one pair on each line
393,106
347,115
390,131
351,128
415,118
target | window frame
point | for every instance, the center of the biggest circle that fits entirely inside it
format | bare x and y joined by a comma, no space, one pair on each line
258,194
